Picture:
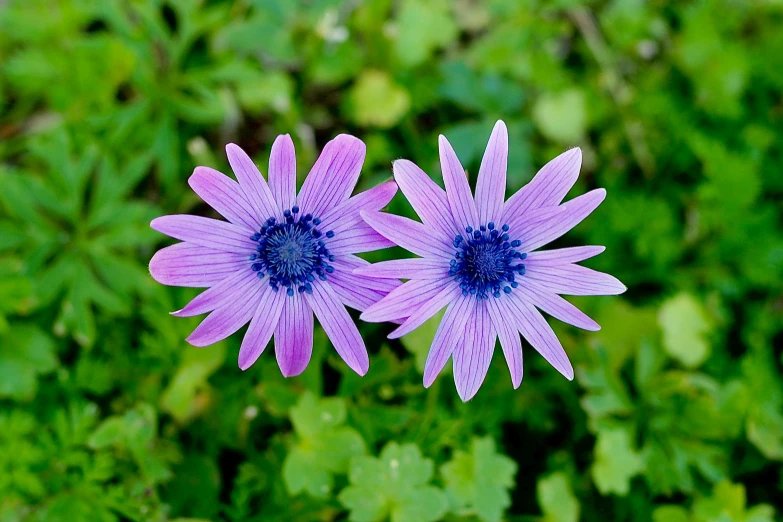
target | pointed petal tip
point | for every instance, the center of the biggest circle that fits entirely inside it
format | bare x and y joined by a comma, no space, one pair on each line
500,125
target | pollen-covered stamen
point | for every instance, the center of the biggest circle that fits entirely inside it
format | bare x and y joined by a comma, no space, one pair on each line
487,262
293,252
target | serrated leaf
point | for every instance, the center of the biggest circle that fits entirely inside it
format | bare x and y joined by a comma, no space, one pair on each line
394,485
685,326
616,462
478,482
557,499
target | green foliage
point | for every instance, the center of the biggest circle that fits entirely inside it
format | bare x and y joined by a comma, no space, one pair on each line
478,482
107,414
394,485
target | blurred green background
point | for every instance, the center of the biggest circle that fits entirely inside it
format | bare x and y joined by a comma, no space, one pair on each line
676,413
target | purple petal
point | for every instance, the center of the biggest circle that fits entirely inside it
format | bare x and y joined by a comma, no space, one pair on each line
227,319
540,335
427,310
230,289
294,336
334,175
339,327
282,172
461,203
345,270
414,268
426,197
554,305
548,187
253,184
508,334
491,184
265,319
472,356
528,223
403,301
574,280
410,235
186,264
563,256
447,336
224,195
356,297
575,211
347,214
357,239
207,232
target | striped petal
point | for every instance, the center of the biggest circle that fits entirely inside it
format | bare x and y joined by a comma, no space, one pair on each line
339,327
554,305
575,211
414,268
186,264
491,183
472,356
224,195
574,280
427,310
503,321
540,335
403,301
265,319
229,290
294,336
410,235
357,239
282,172
253,184
447,337
549,186
563,256
227,319
334,175
426,197
347,213
461,203
207,232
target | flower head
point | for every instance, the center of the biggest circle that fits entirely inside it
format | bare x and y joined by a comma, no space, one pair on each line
281,257
479,258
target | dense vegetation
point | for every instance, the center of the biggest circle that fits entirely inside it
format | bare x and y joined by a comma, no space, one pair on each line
676,412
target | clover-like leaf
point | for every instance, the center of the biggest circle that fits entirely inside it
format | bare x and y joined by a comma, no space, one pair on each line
394,485
616,462
324,445
557,499
478,482
685,324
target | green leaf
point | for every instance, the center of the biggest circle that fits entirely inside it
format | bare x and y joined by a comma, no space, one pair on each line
478,482
616,462
25,353
557,499
422,27
562,117
376,101
394,485
685,326
324,448
187,394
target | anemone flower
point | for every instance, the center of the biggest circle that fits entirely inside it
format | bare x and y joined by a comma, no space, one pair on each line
281,257
479,259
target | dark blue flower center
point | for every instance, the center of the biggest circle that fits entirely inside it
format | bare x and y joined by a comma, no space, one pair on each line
486,262
292,252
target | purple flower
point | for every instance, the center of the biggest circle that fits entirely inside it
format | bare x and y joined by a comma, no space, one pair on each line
480,259
280,257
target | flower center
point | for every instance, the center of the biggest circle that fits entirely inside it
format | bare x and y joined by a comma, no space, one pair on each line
292,252
487,262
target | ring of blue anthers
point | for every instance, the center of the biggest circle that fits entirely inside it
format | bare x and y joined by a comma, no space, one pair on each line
292,252
484,262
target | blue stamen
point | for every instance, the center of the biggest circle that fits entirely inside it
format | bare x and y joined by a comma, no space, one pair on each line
486,264
292,252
